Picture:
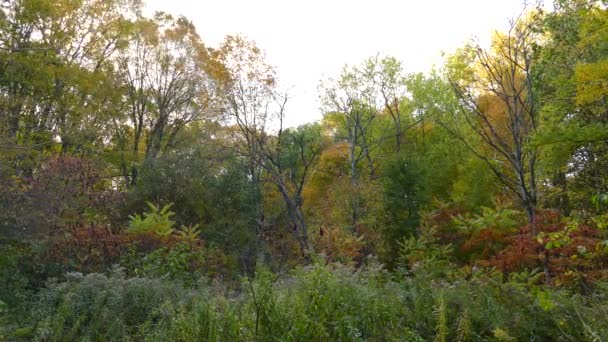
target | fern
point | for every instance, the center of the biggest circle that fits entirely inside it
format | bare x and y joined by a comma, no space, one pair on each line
502,335
442,320
190,234
464,327
157,221
501,219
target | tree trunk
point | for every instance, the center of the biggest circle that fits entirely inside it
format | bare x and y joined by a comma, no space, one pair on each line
530,213
300,229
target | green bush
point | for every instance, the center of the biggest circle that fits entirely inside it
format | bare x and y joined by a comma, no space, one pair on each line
14,283
183,262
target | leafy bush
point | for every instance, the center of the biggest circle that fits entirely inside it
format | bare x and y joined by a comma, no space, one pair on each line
183,262
14,282
86,249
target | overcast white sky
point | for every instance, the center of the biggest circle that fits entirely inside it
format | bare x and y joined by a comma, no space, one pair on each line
310,40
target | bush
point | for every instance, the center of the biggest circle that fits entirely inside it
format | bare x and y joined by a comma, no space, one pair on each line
182,262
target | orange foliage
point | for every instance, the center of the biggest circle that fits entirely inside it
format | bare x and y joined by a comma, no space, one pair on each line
331,166
339,245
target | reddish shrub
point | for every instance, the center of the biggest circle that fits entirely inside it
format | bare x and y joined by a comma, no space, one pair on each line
88,248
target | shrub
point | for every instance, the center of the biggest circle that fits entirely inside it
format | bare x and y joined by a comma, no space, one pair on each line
182,262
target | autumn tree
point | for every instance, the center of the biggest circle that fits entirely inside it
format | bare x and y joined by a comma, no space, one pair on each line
255,107
56,70
360,107
166,73
498,102
351,102
351,106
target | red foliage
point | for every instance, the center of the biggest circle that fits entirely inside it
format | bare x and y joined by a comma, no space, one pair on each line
92,248
69,192
483,243
574,260
149,242
522,252
88,248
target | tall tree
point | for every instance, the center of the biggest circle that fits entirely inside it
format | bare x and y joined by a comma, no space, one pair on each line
255,106
352,103
498,105
392,87
572,77
167,75
55,63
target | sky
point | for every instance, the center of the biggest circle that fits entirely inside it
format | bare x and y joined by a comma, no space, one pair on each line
308,41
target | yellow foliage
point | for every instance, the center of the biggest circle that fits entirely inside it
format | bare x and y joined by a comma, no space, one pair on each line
591,82
330,168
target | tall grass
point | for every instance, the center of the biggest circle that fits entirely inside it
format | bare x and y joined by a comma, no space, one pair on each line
314,303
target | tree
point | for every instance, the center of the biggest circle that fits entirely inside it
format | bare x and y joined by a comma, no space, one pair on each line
253,104
208,186
56,70
168,79
351,106
494,87
396,91
289,164
572,97
247,92
352,103
360,107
